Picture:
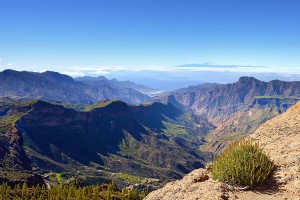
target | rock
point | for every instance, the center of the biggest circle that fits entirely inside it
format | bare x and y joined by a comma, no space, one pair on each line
202,178
15,177
224,197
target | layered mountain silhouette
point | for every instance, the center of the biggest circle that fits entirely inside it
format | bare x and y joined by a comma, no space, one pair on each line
54,86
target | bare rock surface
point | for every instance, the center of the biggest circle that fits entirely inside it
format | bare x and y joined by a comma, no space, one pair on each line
280,137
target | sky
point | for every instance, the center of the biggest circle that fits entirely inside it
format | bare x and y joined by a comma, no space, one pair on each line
109,36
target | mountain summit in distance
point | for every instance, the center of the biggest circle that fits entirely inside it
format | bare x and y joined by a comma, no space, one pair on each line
59,87
102,80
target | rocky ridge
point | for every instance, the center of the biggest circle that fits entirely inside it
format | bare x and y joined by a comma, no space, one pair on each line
280,137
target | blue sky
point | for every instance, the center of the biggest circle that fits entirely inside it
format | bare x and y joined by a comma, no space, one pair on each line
59,34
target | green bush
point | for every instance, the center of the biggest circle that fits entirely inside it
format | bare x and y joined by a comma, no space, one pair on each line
242,163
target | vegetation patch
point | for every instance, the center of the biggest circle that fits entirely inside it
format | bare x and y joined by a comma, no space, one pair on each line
126,149
108,191
60,177
28,102
131,179
11,119
242,163
174,129
99,105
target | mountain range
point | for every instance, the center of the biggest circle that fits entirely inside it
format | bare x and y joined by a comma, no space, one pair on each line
102,80
236,109
96,129
151,141
54,86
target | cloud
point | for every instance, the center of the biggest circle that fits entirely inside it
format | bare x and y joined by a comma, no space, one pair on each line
73,73
177,71
104,70
241,69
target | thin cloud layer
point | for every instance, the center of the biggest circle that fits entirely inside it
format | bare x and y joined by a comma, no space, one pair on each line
104,70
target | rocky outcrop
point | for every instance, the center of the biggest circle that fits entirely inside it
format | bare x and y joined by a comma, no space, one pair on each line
18,177
12,154
189,189
280,137
15,166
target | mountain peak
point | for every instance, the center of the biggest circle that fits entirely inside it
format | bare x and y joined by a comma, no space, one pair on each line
247,79
102,78
57,77
105,103
13,72
9,71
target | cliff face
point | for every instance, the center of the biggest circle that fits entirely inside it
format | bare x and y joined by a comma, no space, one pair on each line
280,137
215,100
235,109
12,155
220,100
15,166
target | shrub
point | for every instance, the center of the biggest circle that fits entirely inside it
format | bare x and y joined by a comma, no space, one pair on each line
242,163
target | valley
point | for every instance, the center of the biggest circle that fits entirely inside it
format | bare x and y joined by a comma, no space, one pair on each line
236,108
55,128
152,141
